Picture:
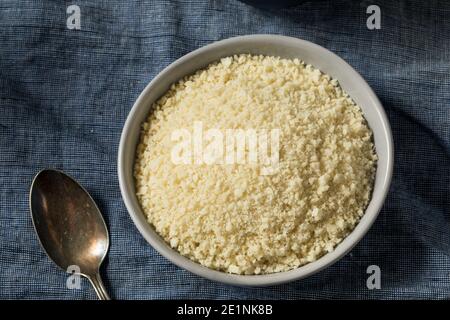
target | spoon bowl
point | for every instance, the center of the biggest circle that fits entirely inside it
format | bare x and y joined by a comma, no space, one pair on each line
69,225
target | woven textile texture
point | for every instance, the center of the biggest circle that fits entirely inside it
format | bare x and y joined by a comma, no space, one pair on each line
65,94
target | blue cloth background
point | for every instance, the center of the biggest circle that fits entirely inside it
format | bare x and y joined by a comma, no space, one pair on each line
65,94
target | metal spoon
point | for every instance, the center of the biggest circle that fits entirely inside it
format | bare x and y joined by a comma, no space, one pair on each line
69,225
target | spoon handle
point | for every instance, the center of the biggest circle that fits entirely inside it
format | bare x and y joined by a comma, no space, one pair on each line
99,287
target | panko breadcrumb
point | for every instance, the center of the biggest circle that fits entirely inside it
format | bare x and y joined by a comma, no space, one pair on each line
231,218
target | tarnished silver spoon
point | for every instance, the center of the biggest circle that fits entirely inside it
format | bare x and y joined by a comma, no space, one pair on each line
69,225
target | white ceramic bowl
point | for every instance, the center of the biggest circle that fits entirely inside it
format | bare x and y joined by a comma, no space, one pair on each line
274,45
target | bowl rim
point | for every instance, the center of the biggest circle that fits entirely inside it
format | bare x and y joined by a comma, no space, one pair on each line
306,270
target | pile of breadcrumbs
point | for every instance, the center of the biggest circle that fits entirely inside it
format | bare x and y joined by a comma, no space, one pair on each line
232,218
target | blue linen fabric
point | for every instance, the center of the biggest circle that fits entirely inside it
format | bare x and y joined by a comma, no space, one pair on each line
65,94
